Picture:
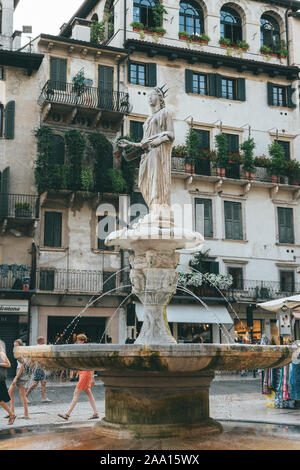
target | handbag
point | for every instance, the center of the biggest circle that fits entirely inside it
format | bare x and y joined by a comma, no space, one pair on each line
3,372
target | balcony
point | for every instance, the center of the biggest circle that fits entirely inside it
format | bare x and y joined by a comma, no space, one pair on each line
234,172
264,290
60,102
15,279
19,206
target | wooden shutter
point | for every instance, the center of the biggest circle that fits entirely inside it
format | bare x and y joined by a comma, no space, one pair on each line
241,89
286,147
58,150
233,220
270,94
106,78
152,79
53,229
10,120
233,142
207,223
4,198
212,84
58,73
188,81
285,225
214,267
204,139
218,86
136,130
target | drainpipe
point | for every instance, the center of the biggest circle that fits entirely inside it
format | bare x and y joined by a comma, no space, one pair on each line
125,21
287,33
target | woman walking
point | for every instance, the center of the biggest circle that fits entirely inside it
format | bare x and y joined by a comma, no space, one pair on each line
4,396
19,383
86,382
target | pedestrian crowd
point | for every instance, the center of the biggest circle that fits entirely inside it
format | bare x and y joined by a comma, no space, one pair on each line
85,383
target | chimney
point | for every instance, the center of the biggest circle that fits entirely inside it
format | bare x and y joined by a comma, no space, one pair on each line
16,38
81,29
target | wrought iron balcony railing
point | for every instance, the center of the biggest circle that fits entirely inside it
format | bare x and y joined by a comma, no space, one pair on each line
265,290
19,206
88,97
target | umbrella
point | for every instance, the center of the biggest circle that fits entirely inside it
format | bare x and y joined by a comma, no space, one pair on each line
292,302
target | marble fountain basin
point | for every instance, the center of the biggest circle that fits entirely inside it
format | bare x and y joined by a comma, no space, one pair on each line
156,391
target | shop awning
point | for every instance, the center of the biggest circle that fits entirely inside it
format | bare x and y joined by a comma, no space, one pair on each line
292,302
14,307
193,314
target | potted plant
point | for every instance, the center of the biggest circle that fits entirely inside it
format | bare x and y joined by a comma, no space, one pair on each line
79,82
265,50
23,209
249,165
159,31
293,172
192,150
179,151
243,45
277,165
204,38
222,158
183,35
137,26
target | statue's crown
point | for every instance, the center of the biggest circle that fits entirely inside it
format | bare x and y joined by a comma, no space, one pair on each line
161,91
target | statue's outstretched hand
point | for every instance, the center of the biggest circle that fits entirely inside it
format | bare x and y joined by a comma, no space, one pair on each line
126,143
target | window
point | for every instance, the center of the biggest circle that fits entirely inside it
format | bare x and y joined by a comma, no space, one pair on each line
279,95
287,281
142,12
228,88
233,171
191,18
53,230
142,74
285,225
136,130
216,85
231,25
237,276
47,279
106,225
109,281
0,18
95,17
286,147
269,32
199,84
203,217
138,207
9,132
1,73
111,23
202,165
233,220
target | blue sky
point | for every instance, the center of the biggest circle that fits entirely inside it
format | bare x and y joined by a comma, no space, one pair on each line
45,16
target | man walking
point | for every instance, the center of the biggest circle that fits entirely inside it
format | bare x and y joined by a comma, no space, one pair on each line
39,377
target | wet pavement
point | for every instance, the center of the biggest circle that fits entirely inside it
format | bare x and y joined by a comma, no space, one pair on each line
235,401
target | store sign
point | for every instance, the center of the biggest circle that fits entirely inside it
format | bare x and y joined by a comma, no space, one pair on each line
14,307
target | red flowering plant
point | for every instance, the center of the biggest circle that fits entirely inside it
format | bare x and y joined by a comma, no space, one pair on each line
236,157
262,161
293,169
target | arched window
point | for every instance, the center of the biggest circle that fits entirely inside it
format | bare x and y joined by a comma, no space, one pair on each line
58,150
231,25
111,20
142,12
269,32
191,18
0,18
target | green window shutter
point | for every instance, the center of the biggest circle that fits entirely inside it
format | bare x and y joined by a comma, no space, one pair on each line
270,94
128,71
241,89
5,186
58,73
233,220
105,78
285,225
188,81
58,150
212,84
9,132
53,229
136,130
110,224
152,79
233,142
286,147
291,97
204,139
218,86
214,267
203,217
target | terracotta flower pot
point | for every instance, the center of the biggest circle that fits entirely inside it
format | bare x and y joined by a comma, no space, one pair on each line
275,179
221,172
189,168
249,175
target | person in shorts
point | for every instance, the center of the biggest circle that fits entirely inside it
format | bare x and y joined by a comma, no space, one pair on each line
39,377
85,383
4,396
19,383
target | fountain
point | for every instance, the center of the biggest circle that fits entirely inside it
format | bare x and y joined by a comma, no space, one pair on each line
156,388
